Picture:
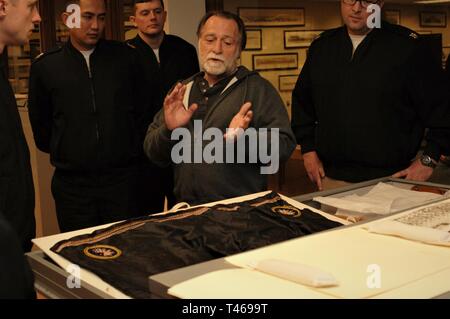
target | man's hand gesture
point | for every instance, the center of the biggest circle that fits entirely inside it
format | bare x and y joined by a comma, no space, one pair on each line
240,122
175,113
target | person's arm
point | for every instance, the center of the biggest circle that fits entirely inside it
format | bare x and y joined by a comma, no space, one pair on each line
40,109
270,112
429,95
146,94
16,278
303,112
304,122
265,112
158,144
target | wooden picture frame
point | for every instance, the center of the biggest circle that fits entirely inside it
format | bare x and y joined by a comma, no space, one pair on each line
286,82
254,40
300,38
424,31
392,16
430,19
272,17
275,61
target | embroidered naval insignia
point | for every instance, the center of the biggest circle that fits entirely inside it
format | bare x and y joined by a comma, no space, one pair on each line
103,252
287,211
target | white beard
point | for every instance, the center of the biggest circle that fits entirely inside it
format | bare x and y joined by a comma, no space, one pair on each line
218,67
214,67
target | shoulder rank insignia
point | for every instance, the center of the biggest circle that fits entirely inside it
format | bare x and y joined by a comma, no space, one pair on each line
130,45
39,55
414,35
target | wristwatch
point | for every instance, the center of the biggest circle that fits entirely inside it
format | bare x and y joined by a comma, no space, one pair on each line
426,160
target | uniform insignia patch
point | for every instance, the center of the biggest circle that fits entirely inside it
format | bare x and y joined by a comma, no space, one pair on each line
287,211
413,35
102,252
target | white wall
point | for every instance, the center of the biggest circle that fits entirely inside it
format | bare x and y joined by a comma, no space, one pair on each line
183,18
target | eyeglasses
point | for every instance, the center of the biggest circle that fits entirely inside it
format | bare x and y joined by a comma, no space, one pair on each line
364,3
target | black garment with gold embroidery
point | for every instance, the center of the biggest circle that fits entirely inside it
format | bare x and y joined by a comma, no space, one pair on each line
126,254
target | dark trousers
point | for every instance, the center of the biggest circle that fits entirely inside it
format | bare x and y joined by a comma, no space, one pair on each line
90,199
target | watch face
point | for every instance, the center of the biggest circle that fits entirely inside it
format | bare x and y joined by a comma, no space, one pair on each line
427,161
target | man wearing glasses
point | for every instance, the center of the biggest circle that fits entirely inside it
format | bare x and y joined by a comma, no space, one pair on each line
363,100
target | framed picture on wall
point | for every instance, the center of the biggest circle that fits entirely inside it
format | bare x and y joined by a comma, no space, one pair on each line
254,39
275,61
424,31
392,16
300,38
433,19
286,83
272,17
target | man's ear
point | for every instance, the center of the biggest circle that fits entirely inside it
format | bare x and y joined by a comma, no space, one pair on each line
133,20
2,8
64,17
165,17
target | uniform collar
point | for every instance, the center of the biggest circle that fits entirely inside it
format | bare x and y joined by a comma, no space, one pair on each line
72,49
139,41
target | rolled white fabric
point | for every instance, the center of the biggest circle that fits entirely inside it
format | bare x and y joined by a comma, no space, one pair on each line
295,272
417,233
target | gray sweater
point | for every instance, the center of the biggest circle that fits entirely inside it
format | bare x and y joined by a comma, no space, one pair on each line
198,183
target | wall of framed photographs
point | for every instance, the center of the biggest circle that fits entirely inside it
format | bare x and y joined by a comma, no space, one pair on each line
280,32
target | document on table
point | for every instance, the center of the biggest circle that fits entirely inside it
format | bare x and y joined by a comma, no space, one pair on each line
382,199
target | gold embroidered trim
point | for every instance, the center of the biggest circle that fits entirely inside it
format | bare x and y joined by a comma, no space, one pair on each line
267,201
124,228
230,209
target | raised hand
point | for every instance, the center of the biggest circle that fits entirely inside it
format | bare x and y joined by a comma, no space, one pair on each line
240,121
175,113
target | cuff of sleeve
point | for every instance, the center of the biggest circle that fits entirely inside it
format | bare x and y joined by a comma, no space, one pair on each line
307,147
165,132
432,150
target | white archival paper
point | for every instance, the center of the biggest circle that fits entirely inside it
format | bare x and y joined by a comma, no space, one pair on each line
429,224
382,199
352,255
295,272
